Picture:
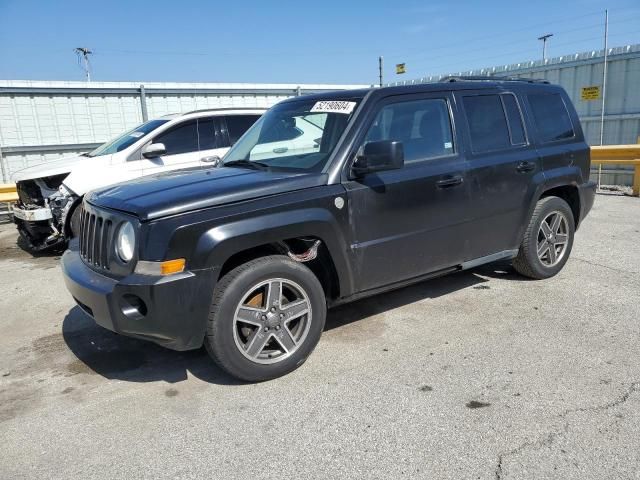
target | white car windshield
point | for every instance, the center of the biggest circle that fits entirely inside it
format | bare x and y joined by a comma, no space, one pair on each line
295,136
126,139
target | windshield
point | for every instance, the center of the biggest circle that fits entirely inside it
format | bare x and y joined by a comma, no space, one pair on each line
296,136
126,139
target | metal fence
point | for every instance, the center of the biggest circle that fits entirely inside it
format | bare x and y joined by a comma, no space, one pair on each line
580,71
42,121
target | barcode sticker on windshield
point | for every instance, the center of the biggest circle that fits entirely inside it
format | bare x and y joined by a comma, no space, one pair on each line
334,106
136,134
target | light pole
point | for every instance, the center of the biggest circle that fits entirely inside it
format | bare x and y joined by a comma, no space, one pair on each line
544,39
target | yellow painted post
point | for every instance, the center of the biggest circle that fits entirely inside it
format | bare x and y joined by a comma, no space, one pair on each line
636,181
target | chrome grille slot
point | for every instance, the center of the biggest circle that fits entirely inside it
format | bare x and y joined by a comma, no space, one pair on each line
104,244
94,242
96,256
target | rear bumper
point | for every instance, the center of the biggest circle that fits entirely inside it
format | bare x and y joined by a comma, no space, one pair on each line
587,193
171,311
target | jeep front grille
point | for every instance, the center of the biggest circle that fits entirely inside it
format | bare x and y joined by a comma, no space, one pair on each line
95,239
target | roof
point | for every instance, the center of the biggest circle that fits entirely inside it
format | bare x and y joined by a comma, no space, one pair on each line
447,84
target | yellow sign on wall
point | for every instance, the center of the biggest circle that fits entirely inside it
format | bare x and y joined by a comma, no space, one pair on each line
400,68
590,93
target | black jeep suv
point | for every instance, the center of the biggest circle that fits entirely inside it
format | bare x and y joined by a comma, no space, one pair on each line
330,198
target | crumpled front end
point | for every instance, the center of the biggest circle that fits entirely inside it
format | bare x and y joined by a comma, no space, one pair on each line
41,211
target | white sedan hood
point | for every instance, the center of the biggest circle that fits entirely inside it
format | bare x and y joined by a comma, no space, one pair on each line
57,167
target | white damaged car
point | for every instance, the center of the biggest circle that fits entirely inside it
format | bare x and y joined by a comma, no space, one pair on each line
46,213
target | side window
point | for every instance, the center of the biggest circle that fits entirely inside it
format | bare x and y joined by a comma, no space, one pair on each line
182,138
423,127
516,129
487,123
206,134
551,117
238,124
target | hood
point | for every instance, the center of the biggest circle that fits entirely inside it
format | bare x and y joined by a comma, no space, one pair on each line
57,167
181,191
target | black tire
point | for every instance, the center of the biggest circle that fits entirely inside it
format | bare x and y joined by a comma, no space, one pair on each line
74,221
222,332
527,262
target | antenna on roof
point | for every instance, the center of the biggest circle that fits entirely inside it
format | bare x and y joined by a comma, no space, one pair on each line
83,60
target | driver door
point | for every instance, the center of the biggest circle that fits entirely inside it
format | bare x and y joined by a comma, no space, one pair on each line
411,221
181,143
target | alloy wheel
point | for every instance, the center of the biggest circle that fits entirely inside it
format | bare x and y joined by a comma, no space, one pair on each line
272,320
553,237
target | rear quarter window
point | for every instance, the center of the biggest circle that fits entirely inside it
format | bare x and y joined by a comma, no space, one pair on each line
551,117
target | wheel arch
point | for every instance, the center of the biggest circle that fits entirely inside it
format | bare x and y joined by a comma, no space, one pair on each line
225,246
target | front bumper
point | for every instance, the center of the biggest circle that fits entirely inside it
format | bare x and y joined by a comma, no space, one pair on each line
36,226
175,307
32,215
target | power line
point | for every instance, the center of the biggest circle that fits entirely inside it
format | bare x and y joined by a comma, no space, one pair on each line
405,53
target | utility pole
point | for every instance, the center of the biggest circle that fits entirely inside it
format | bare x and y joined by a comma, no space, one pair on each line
604,73
83,56
544,39
380,69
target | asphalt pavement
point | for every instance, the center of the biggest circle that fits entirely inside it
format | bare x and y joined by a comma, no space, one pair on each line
478,375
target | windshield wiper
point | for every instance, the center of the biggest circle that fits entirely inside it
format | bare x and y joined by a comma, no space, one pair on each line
254,165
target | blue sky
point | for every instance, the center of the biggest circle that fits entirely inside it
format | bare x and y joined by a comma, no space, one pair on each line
299,41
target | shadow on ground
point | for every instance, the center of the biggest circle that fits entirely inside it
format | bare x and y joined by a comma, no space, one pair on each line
100,351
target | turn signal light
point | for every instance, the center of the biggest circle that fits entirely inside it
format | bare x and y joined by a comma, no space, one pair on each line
172,266
167,267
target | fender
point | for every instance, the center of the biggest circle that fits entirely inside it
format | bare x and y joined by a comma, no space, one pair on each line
219,243
570,175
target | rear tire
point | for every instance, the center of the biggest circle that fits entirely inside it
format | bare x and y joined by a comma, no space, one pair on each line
266,318
547,240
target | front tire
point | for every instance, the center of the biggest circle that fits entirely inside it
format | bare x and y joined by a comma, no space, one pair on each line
74,221
547,240
266,318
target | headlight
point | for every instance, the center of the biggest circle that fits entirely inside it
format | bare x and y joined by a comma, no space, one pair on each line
126,241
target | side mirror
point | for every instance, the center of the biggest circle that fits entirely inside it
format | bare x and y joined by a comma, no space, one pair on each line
378,156
154,150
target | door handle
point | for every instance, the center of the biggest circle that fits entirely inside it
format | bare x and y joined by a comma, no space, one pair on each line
526,167
280,150
449,181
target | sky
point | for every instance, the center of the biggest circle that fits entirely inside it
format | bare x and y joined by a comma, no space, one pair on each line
324,41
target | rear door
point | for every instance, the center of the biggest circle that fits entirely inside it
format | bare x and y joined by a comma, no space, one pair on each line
502,166
234,126
411,221
213,141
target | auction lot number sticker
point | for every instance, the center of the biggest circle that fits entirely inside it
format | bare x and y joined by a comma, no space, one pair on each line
334,106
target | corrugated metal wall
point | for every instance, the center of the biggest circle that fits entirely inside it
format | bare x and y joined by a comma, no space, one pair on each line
41,121
573,72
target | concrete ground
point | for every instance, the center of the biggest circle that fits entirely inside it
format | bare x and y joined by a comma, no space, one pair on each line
481,375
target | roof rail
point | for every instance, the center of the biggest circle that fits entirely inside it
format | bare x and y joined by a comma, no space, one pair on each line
222,109
489,78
